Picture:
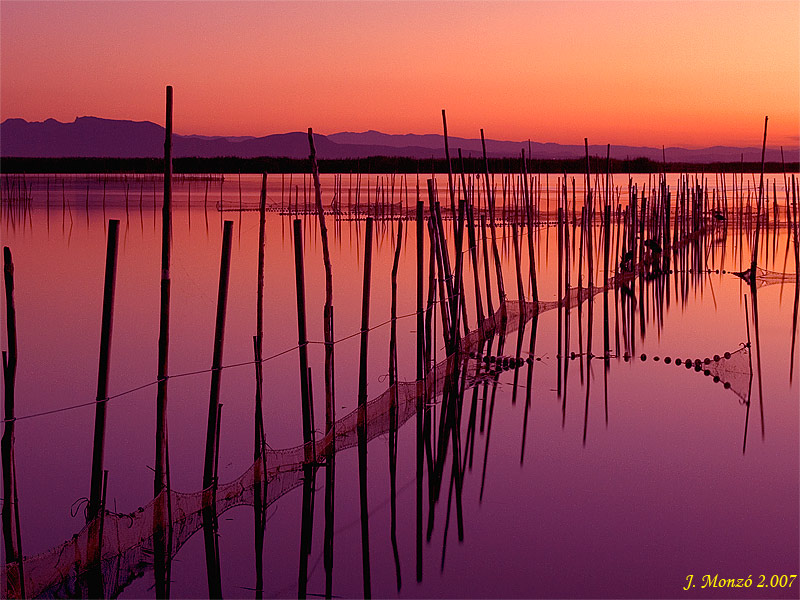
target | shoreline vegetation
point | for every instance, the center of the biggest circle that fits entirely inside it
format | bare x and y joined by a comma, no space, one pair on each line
375,164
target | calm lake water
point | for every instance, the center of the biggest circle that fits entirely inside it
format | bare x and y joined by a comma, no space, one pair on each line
618,482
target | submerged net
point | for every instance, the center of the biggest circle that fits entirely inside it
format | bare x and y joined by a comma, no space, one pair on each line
763,277
733,370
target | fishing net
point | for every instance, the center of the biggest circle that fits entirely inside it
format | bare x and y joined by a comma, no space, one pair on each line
763,277
733,370
128,543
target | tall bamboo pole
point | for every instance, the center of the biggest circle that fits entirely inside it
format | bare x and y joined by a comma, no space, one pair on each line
160,480
14,580
301,331
754,259
212,433
95,495
362,410
330,409
260,440
490,204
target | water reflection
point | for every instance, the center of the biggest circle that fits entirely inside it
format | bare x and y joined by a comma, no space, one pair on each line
486,371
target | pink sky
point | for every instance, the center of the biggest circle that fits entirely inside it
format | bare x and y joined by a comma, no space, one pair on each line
640,73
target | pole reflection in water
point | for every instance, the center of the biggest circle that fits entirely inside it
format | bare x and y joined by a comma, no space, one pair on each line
750,382
443,431
259,435
309,481
453,397
754,299
211,542
362,411
588,356
494,379
529,380
393,407
421,396
210,523
330,479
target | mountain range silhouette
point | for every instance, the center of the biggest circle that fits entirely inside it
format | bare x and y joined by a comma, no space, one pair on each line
110,138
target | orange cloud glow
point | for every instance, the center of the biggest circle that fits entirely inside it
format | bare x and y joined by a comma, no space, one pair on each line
643,73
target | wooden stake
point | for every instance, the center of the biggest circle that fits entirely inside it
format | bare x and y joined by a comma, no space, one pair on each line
490,204
486,270
216,367
362,410
10,514
754,259
330,409
301,330
529,214
260,436
362,385
458,288
393,336
450,187
161,466
520,287
96,489
420,286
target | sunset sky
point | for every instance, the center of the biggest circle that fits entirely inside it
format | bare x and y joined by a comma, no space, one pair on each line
640,73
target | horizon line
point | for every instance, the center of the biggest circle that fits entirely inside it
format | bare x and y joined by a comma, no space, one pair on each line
792,146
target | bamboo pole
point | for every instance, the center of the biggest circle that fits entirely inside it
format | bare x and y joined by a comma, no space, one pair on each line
420,383
754,259
520,287
365,298
420,290
486,270
589,218
429,307
437,234
458,287
96,489
260,437
216,367
330,408
161,467
330,479
450,186
490,204
210,526
362,407
258,478
306,528
14,580
529,215
393,336
441,240
301,331
473,247
560,290
94,576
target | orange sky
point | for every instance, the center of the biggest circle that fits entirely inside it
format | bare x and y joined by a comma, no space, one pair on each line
639,73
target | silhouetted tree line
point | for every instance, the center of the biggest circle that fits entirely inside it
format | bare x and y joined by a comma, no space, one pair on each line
373,164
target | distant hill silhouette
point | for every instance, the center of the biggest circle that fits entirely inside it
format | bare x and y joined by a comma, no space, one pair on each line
108,138
540,150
